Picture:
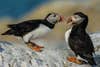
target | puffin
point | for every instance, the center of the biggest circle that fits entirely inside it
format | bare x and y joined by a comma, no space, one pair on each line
32,29
79,41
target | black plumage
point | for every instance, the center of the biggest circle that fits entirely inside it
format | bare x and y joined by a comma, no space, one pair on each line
80,42
33,29
25,27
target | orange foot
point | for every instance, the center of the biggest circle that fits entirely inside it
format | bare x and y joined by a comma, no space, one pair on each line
74,60
36,48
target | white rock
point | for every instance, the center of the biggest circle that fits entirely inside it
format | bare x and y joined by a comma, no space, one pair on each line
1,59
19,55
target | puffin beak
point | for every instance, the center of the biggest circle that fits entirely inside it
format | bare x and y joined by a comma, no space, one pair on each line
69,19
61,18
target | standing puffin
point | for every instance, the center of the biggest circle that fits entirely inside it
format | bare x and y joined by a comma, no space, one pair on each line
78,39
33,29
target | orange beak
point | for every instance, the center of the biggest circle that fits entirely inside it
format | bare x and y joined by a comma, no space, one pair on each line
61,18
69,19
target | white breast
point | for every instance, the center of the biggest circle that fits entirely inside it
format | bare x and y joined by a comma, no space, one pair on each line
42,30
39,32
67,33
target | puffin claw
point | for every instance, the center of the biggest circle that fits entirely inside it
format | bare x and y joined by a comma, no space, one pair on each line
35,47
74,60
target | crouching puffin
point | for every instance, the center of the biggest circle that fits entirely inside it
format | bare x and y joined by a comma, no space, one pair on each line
33,29
78,39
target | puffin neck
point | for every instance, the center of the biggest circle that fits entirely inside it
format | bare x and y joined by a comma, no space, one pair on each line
84,24
80,28
48,24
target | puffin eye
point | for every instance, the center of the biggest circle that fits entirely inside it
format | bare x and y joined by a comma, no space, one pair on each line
54,15
75,17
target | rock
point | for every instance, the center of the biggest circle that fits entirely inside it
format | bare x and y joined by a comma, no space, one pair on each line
13,55
76,65
19,55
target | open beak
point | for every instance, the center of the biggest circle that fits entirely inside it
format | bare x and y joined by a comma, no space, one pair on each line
71,19
61,18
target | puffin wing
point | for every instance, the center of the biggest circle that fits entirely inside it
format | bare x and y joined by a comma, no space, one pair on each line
89,43
88,50
25,27
81,44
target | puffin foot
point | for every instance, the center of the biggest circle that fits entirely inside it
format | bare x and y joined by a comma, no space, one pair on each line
75,60
35,47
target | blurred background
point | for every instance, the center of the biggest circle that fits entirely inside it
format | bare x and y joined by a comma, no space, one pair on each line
15,11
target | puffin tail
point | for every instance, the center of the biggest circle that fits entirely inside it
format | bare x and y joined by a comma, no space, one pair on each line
91,61
89,58
9,32
12,25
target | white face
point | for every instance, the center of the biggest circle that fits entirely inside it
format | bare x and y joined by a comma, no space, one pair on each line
53,18
76,19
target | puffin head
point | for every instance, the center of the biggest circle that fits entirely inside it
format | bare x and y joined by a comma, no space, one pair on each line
78,18
53,18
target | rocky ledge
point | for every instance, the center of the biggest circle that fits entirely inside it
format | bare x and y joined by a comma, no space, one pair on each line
19,55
